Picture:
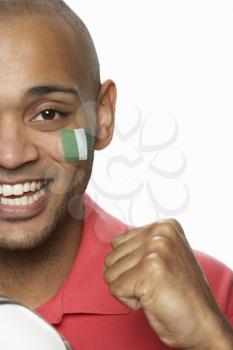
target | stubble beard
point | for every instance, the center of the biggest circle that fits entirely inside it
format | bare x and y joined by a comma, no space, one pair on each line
47,236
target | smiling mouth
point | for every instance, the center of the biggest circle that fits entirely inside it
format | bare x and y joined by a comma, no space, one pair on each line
23,195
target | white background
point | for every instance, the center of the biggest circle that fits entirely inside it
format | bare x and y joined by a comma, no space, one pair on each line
172,62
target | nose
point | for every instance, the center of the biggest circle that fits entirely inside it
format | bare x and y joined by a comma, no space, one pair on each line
16,145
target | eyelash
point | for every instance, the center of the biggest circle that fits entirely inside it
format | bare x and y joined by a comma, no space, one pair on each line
62,114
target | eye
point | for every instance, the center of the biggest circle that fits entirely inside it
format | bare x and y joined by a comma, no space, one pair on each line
49,114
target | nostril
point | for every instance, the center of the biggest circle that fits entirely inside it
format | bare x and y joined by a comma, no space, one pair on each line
16,153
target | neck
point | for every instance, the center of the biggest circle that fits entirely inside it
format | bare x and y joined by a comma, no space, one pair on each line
33,277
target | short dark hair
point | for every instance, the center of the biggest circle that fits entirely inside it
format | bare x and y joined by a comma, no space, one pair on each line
61,9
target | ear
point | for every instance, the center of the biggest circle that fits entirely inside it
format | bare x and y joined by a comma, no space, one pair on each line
105,114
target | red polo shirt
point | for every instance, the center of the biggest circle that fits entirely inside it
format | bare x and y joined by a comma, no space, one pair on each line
85,313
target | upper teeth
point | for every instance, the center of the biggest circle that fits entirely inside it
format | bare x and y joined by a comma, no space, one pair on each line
19,189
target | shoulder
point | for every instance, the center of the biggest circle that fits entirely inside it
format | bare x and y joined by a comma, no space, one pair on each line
213,267
102,223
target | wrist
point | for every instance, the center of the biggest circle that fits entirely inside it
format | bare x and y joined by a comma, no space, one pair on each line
224,341
218,337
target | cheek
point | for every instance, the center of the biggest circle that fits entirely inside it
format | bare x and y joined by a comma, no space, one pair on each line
56,168
51,147
76,144
71,152
71,179
71,146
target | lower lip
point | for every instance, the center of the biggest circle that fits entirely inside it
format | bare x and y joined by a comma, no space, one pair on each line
25,211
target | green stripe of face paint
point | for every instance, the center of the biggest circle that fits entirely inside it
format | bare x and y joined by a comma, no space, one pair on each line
70,145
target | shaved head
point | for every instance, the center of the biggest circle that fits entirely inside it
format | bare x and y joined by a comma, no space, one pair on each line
59,9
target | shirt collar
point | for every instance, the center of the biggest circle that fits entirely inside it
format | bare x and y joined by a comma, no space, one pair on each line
85,290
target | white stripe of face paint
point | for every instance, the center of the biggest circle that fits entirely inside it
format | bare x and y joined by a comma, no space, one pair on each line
82,143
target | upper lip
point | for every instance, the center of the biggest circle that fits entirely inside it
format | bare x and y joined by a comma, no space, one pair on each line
21,181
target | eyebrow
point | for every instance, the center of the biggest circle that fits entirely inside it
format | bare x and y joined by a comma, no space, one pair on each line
48,89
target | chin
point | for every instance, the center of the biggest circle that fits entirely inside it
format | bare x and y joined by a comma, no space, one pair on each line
24,242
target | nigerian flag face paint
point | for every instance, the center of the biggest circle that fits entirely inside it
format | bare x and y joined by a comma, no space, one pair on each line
77,144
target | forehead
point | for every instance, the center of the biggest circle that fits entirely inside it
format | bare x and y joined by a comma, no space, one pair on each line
38,48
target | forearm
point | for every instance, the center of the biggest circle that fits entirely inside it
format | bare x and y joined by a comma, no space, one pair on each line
223,342
220,338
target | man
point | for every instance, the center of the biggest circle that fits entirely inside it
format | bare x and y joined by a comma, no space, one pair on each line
147,291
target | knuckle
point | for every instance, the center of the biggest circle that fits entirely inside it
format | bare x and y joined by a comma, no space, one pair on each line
153,265
114,241
149,261
170,232
163,229
167,229
160,271
114,289
161,244
108,260
107,277
155,244
177,226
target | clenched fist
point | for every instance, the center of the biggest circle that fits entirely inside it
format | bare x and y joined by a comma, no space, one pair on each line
153,267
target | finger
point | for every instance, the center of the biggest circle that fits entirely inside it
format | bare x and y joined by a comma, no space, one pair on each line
169,228
123,249
134,282
181,234
123,265
158,246
125,236
174,223
123,286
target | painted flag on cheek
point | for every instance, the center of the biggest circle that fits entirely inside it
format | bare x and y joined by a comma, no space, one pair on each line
77,144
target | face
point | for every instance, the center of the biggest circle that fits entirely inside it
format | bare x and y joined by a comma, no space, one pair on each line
37,53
